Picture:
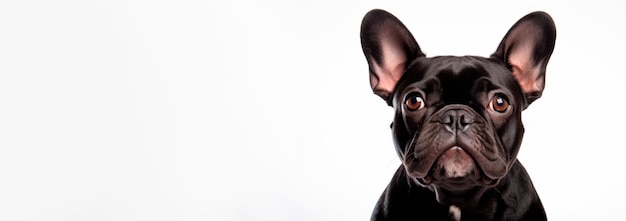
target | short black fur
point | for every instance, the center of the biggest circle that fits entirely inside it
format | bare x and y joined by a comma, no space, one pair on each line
458,151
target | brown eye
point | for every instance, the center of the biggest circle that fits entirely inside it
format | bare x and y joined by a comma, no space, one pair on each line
499,104
414,102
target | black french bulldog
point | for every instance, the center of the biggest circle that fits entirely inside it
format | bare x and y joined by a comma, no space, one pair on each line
457,127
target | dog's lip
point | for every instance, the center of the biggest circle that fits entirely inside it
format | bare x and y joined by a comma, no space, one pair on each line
459,183
455,163
424,174
431,162
489,177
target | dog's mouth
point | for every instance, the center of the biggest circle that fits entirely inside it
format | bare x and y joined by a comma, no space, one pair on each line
457,177
456,170
454,163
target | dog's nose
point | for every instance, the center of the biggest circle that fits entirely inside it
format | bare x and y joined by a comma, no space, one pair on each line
456,121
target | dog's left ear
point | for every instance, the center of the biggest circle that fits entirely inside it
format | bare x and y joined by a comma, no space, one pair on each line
526,49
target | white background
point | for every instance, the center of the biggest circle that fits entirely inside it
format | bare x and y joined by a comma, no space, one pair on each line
242,110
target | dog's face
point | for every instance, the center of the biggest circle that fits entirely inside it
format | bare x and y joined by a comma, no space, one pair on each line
457,125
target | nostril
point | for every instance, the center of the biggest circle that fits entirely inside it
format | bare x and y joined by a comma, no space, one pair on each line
456,121
463,123
450,121
466,120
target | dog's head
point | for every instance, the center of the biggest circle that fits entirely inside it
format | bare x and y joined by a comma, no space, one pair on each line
457,125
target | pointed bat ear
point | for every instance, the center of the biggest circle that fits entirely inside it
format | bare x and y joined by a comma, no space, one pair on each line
388,47
526,49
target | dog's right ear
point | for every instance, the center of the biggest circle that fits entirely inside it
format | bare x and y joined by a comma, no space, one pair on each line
388,47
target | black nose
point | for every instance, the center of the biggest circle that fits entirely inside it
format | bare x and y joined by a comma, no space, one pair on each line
457,120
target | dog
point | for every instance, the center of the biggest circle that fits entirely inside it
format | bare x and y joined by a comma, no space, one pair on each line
457,126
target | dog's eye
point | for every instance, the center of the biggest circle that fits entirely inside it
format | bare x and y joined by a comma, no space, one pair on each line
414,102
499,104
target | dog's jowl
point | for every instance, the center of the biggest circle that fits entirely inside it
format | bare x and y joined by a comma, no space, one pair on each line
457,127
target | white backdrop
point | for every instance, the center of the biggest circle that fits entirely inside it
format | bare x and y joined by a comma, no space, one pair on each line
242,110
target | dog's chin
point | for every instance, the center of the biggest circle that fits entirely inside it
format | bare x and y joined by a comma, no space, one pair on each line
469,198
454,164
457,178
